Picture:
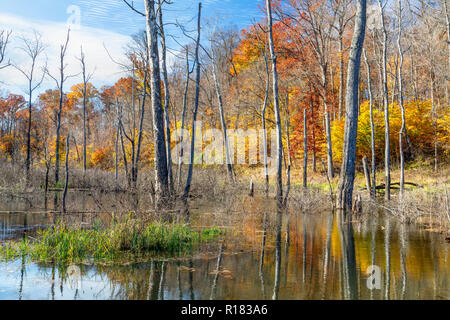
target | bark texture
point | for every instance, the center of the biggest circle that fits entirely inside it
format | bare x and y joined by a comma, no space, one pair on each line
161,172
345,189
275,103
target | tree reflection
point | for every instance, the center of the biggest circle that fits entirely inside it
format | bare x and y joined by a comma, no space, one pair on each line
278,228
350,284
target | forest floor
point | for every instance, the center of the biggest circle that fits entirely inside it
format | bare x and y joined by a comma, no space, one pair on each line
426,198
425,202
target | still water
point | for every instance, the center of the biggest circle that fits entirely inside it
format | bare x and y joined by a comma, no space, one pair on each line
269,255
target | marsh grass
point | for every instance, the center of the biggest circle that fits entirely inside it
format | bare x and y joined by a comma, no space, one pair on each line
128,240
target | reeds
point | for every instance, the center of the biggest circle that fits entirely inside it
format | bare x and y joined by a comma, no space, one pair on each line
131,238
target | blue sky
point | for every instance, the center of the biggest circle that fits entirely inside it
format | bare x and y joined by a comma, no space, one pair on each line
105,23
115,16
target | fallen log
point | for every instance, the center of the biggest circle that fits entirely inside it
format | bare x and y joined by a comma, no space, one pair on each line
383,186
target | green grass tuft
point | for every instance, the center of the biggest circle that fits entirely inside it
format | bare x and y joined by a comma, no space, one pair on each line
64,244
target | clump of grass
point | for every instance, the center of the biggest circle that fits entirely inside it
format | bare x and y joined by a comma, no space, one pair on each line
134,238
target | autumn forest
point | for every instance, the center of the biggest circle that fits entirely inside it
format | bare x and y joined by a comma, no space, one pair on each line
334,108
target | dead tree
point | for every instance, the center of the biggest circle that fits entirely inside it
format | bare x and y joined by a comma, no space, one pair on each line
60,79
183,117
343,17
372,126
222,116
400,97
447,24
161,169
275,103
33,48
166,93
86,78
4,40
367,174
263,46
288,147
387,151
345,189
187,188
141,124
305,150
161,172
66,184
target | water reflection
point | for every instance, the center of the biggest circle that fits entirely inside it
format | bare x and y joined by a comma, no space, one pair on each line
281,255
350,286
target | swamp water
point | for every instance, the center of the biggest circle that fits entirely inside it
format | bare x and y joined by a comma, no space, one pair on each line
306,256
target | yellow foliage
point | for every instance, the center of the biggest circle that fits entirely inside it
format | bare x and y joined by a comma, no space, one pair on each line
102,158
419,130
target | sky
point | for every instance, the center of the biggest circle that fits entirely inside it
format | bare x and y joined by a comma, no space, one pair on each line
98,24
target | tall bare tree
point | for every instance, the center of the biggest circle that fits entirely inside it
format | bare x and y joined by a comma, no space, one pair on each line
263,46
86,78
387,150
221,112
166,92
33,49
183,118
275,101
4,40
400,96
343,16
447,24
60,79
159,140
345,189
161,172
187,188
372,126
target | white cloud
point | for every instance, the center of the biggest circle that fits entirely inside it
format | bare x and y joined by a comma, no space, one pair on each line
54,34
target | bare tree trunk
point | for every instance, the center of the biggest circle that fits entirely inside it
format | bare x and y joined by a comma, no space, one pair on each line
305,150
276,103
434,114
183,116
345,190
372,127
28,161
288,142
400,99
263,120
224,124
124,155
263,114
387,151
313,138
196,103
367,174
330,166
60,85
33,49
161,172
166,96
66,184
141,127
116,172
447,22
86,79
341,76
58,128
